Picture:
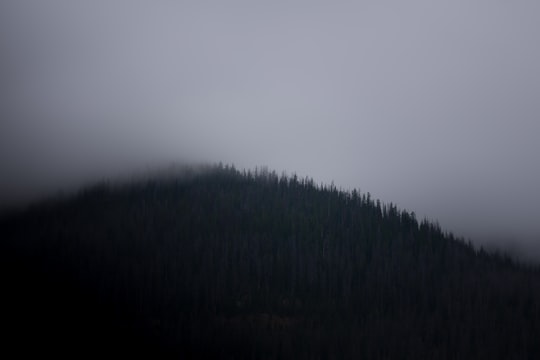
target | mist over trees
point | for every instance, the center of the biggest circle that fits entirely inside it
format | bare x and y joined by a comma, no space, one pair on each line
224,263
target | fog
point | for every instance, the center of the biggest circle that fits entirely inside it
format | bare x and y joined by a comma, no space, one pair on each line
431,105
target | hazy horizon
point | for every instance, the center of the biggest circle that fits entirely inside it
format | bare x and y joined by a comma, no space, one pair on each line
433,106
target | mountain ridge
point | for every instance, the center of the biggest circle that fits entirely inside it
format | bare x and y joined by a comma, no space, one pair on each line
228,263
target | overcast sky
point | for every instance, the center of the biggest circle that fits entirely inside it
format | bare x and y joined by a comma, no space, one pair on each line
432,105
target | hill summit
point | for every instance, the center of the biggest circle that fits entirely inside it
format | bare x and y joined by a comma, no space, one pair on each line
223,263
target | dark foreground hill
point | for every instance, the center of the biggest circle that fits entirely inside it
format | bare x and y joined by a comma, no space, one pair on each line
224,264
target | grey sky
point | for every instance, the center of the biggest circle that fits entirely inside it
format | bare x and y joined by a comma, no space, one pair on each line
433,105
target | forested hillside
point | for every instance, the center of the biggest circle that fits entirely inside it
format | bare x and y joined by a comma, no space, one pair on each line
228,264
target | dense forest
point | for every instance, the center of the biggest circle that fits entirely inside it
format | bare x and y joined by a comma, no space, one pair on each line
220,263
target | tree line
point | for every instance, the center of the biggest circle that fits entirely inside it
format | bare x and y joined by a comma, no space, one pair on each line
226,263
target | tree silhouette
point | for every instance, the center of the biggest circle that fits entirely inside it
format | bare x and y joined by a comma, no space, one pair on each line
216,262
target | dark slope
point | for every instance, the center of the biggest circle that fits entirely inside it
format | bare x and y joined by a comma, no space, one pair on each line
232,265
